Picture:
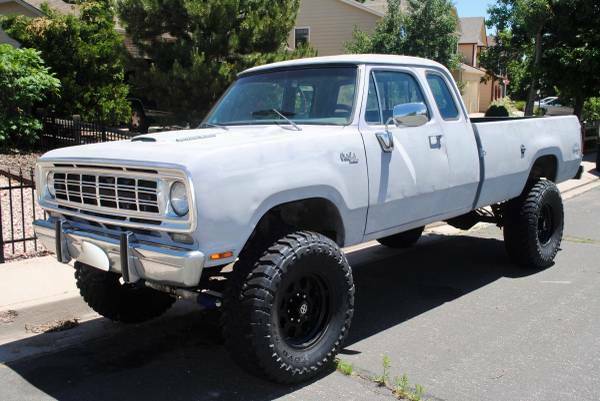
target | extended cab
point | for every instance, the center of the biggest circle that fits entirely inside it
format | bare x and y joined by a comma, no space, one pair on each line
249,212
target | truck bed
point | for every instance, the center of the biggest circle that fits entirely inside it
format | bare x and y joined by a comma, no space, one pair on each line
509,147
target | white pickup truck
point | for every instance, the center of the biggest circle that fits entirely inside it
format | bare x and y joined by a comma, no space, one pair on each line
249,212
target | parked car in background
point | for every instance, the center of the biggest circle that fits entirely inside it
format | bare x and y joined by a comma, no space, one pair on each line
556,107
547,100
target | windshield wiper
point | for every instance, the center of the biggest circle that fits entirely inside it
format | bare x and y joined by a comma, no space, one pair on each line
211,125
282,114
268,112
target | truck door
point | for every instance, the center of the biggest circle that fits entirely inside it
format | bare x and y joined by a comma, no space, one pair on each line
407,183
461,145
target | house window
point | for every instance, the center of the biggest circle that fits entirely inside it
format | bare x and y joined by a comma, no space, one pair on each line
301,37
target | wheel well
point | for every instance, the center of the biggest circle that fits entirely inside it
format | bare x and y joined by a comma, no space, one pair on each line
314,214
544,167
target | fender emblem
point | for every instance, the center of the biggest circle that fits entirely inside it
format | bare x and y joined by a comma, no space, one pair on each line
349,157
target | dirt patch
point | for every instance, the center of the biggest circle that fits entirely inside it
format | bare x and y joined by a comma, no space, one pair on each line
51,327
8,316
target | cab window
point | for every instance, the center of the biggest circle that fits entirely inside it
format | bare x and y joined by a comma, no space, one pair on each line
389,89
443,97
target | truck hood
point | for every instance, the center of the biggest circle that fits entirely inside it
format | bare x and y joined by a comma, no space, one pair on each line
181,147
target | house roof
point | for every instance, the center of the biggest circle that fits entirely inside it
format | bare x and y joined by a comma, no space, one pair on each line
377,5
353,59
471,70
472,30
58,5
366,6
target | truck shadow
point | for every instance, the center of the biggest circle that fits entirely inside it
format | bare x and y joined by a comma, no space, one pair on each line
182,357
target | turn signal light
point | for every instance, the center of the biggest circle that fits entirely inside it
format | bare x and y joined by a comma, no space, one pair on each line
222,255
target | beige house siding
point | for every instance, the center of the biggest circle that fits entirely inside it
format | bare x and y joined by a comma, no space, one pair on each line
485,95
471,93
331,24
466,53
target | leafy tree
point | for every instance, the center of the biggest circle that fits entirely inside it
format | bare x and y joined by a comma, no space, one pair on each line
591,110
571,60
520,26
428,29
196,48
550,44
86,54
24,82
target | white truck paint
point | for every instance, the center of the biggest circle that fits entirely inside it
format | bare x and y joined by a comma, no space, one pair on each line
440,170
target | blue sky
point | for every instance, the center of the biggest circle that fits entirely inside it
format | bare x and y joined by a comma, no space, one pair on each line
472,8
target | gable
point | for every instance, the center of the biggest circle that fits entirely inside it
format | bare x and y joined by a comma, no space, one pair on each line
472,30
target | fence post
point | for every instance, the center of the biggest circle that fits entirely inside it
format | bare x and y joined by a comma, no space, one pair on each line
1,232
77,128
103,133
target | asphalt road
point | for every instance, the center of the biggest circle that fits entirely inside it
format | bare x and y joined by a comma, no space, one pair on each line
451,313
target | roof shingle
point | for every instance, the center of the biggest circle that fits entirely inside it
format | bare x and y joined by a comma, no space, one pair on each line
470,30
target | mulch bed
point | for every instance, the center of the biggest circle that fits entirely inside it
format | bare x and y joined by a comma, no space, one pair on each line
20,203
16,161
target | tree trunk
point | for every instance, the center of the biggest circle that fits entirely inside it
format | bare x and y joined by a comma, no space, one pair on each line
578,109
534,73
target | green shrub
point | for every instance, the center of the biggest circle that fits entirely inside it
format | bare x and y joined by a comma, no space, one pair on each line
520,105
497,111
86,54
24,82
591,109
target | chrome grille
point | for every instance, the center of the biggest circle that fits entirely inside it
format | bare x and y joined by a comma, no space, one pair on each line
108,191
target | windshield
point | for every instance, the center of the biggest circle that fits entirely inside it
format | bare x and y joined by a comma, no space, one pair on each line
322,95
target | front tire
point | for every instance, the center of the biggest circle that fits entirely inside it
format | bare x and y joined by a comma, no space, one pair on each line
402,240
105,294
286,314
533,226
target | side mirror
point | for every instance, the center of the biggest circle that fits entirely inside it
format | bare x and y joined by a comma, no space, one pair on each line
410,115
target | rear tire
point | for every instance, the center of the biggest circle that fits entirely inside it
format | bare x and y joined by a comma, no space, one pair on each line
533,226
286,314
402,240
104,293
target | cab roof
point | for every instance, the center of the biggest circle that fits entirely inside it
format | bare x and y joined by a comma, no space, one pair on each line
352,59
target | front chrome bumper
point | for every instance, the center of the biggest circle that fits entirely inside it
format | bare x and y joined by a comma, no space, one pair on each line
135,260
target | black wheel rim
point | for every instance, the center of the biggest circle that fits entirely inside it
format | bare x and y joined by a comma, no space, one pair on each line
545,224
304,311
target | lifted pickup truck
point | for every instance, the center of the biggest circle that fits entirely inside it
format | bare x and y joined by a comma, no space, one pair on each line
298,159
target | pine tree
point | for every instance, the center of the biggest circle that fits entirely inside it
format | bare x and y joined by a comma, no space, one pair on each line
196,48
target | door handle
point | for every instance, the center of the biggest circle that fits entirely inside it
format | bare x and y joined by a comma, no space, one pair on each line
386,141
435,141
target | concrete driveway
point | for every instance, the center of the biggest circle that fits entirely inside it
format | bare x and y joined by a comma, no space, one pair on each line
451,313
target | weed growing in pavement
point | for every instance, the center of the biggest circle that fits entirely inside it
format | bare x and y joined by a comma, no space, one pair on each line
418,393
344,367
384,378
401,389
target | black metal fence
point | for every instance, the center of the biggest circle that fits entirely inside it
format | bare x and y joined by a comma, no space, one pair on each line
18,210
61,132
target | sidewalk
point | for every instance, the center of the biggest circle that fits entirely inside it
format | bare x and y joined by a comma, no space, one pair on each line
42,290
